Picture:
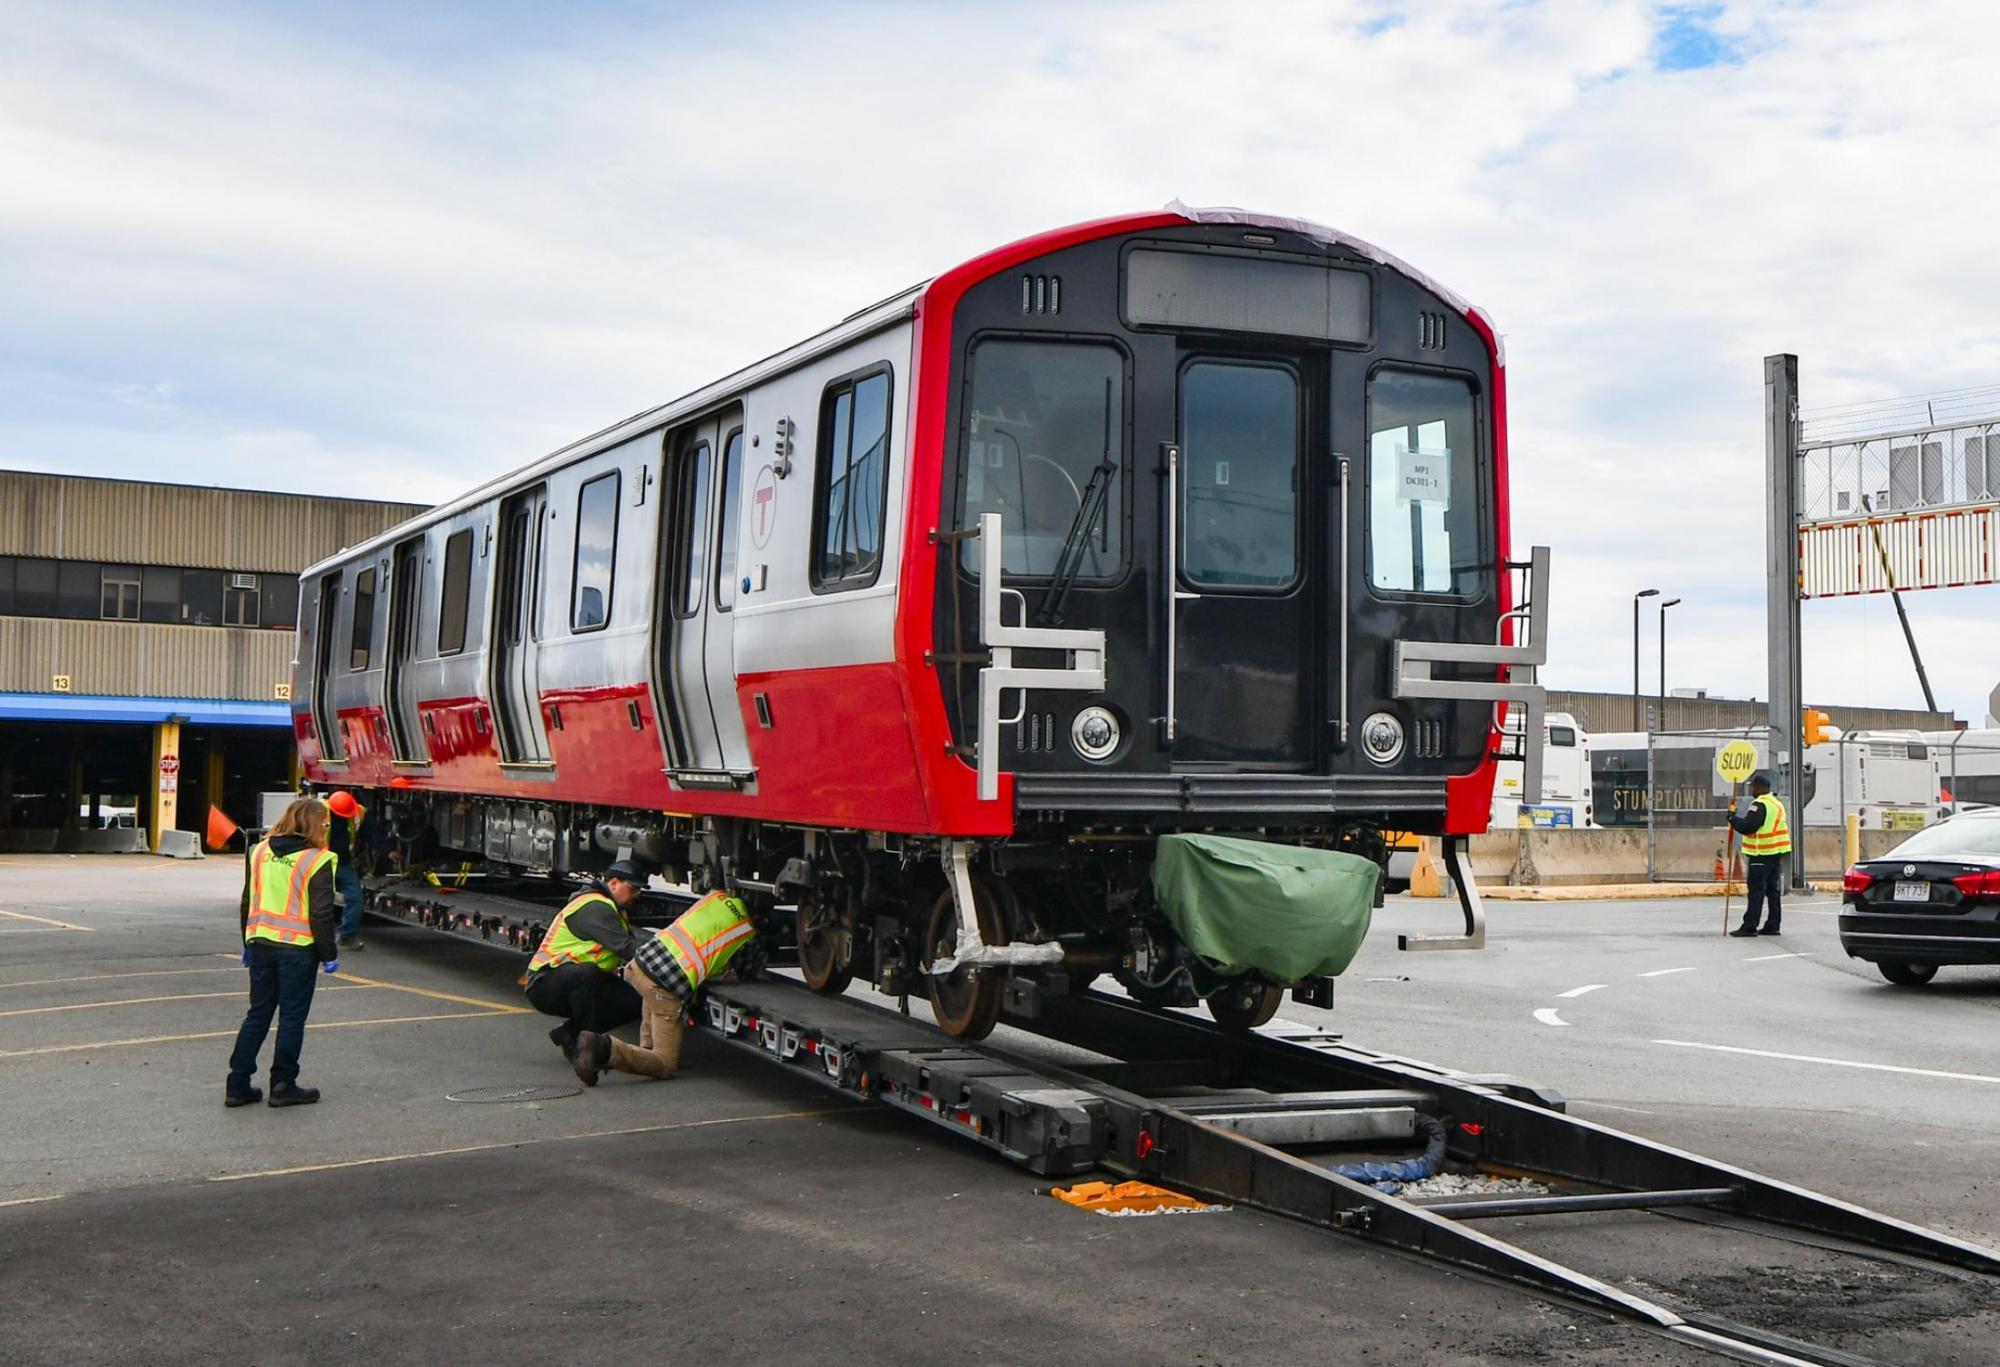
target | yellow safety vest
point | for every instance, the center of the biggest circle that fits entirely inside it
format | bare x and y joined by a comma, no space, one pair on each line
280,907
706,935
1774,836
560,946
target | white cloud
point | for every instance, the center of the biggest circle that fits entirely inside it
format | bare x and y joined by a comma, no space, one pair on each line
430,257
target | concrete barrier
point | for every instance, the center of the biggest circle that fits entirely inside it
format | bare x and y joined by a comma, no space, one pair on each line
1541,858
113,840
180,845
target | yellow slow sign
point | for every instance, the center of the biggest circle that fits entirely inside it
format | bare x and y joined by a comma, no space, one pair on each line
1736,761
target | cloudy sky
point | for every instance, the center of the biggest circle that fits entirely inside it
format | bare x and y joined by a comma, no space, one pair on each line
388,250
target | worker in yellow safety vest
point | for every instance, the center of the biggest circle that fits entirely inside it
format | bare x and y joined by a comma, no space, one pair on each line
574,973
669,968
290,917
1767,839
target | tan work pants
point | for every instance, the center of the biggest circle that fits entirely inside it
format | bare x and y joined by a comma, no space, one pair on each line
661,1027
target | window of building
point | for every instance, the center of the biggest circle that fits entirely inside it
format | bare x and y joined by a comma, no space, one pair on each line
1424,491
240,601
596,550
725,534
852,485
159,594
6,585
1044,448
457,592
119,593
361,638
280,599
35,587
79,589
201,597
1239,476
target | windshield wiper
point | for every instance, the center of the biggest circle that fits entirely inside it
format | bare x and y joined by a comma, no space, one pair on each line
1089,509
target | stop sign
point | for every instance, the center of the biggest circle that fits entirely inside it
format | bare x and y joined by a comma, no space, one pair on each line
170,765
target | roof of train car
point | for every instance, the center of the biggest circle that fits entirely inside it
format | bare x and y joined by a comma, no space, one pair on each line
863,323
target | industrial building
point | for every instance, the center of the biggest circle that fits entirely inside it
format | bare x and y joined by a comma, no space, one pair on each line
146,647
1691,710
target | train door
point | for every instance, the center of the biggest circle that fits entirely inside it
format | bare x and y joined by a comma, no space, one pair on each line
516,658
1242,680
399,685
695,645
326,717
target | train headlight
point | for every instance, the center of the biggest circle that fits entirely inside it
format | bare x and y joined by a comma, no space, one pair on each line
1382,738
1094,733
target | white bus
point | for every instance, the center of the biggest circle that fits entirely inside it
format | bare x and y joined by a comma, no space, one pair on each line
1565,800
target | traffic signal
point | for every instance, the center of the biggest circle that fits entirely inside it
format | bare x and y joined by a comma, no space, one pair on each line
1814,726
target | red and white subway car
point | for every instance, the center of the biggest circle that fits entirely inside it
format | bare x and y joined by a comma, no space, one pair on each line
931,624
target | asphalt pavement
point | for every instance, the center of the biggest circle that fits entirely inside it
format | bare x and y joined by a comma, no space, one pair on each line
743,1215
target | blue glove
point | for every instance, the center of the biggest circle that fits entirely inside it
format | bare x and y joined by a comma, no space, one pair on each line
246,956
330,966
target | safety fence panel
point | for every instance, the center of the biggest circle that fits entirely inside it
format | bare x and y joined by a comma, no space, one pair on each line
1934,549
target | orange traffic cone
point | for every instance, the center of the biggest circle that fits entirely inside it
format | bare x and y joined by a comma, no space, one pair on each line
1720,873
220,828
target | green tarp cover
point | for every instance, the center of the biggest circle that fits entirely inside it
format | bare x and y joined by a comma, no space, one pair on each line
1244,904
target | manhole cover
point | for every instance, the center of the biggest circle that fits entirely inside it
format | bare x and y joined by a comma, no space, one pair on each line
486,1096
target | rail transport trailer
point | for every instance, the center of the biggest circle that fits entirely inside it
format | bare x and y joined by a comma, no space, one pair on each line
933,624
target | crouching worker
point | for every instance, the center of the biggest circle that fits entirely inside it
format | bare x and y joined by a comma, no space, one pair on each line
574,973
290,916
666,972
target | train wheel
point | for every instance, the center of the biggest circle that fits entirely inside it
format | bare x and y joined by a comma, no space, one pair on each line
1240,1009
966,1001
825,948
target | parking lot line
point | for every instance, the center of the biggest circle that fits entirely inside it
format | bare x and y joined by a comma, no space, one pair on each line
55,925
104,977
536,1139
1835,1062
438,996
230,1034
1663,972
148,1001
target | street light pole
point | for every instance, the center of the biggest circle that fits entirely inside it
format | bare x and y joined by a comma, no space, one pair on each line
1642,593
1663,660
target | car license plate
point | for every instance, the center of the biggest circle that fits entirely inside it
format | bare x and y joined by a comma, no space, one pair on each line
1913,892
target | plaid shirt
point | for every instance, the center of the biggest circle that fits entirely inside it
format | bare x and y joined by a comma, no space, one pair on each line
657,962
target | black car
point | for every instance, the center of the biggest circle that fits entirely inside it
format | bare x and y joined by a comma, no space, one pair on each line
1934,899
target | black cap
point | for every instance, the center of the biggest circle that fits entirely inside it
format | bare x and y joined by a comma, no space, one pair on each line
1760,777
629,871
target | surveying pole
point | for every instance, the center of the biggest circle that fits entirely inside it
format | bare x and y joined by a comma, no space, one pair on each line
1781,587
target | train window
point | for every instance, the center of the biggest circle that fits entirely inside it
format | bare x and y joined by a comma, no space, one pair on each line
1246,294
362,637
457,592
694,528
1239,476
596,547
1044,447
851,498
725,534
1423,485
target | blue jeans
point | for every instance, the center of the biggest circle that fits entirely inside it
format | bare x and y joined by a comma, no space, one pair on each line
281,981
349,884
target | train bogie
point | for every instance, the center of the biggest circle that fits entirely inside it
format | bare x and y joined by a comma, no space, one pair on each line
928,627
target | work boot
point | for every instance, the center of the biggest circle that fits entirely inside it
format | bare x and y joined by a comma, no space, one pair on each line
592,1056
245,1098
564,1038
1768,930
1740,932
352,942
291,1094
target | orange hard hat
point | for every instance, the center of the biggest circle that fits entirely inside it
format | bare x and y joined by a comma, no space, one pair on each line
342,804
401,781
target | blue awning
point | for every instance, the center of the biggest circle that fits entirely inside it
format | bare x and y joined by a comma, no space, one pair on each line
192,711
